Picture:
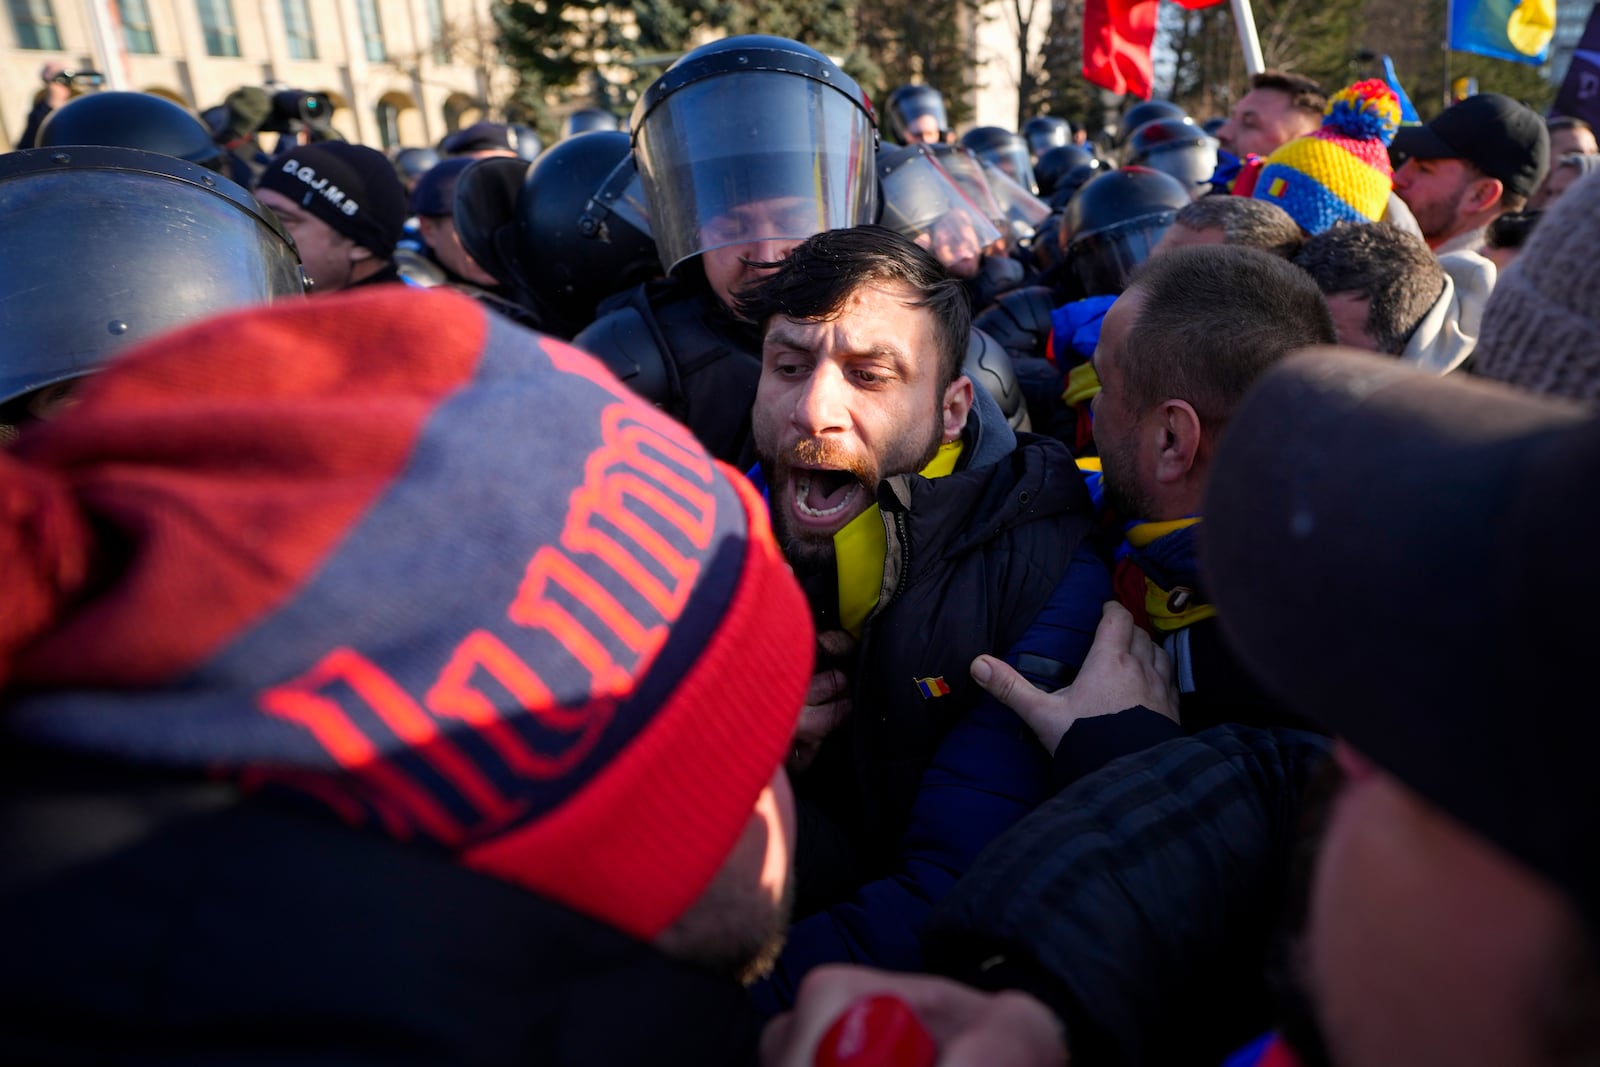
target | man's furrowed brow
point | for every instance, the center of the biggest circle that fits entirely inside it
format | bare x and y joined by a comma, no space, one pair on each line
786,336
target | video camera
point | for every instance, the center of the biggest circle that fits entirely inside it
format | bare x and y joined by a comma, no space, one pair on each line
81,79
296,106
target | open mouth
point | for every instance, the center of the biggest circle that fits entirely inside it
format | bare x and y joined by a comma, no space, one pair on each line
823,494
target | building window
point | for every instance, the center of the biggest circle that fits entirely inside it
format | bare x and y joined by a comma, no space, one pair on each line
35,24
297,28
137,35
441,53
372,30
216,22
388,123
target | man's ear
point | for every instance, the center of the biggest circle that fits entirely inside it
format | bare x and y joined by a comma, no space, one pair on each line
1482,195
957,405
1180,431
359,253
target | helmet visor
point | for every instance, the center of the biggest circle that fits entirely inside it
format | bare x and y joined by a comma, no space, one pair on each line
1042,138
154,253
922,201
620,196
1013,161
756,156
968,174
1104,260
906,108
1022,210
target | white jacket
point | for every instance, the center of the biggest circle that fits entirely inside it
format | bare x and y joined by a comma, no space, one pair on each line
1447,333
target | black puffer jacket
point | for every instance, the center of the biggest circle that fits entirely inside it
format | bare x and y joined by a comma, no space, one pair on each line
972,559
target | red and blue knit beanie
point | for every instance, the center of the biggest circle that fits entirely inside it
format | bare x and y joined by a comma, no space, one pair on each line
1341,173
444,578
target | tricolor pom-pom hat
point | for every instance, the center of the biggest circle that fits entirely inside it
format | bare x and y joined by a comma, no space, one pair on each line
1341,173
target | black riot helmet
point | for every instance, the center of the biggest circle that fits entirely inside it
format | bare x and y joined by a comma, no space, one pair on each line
909,103
1076,178
1003,149
1146,111
990,367
1044,132
1112,224
131,120
529,143
567,262
588,120
166,242
412,163
1177,147
923,202
753,139
1057,163
1014,211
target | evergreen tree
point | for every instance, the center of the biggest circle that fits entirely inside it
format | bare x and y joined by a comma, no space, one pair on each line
606,52
906,41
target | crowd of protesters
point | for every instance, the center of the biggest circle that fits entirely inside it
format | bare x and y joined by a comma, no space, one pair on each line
744,585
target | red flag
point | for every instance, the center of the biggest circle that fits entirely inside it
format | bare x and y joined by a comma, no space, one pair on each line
1116,42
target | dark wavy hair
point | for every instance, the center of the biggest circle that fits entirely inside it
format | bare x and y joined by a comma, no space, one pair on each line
817,278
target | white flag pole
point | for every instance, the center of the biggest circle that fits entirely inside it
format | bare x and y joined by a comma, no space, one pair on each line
112,57
1245,20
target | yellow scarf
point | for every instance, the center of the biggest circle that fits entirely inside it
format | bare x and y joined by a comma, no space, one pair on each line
1167,609
859,550
1082,384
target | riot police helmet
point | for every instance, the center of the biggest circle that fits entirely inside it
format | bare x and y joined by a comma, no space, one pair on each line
144,121
1075,179
1112,224
412,163
921,201
1044,132
619,199
1178,147
528,144
1055,164
989,366
168,242
749,142
905,109
568,266
966,170
588,120
1146,111
1003,149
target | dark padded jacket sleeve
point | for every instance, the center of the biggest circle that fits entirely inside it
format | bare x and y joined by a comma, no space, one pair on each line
988,773
1142,903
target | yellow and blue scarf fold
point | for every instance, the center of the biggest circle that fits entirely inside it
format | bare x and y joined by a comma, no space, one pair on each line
859,550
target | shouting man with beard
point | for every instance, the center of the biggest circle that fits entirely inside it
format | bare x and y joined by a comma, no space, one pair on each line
923,530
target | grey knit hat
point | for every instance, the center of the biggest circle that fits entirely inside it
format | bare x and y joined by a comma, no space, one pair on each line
1541,327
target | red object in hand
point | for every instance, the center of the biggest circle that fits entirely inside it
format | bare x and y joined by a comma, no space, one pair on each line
877,1031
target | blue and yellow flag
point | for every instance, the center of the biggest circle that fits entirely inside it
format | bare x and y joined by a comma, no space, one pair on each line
1408,114
1518,30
